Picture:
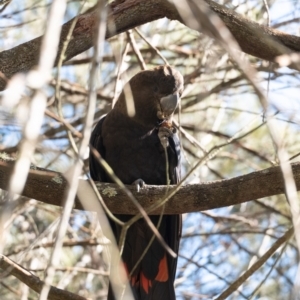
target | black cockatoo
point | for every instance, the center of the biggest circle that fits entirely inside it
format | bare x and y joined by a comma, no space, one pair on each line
133,147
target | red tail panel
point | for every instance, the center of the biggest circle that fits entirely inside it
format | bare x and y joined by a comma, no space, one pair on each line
163,272
145,282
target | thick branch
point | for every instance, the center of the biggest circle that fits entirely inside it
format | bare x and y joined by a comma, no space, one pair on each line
50,187
256,39
253,38
9,267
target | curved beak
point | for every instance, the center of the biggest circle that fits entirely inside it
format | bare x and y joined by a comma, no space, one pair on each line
169,103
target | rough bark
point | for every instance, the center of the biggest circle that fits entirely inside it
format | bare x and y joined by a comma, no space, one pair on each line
50,187
253,38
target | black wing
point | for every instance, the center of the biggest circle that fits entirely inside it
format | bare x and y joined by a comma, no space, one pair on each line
174,221
139,233
96,171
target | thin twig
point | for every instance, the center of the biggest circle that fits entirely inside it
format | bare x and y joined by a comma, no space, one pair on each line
260,262
57,86
34,282
151,45
136,50
268,274
76,170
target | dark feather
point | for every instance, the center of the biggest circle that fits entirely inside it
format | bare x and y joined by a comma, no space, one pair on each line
132,148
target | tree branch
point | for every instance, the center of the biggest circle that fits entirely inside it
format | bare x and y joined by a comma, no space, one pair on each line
50,187
68,243
11,268
253,38
258,264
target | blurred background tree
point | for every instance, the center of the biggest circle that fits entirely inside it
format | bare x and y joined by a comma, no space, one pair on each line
218,104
